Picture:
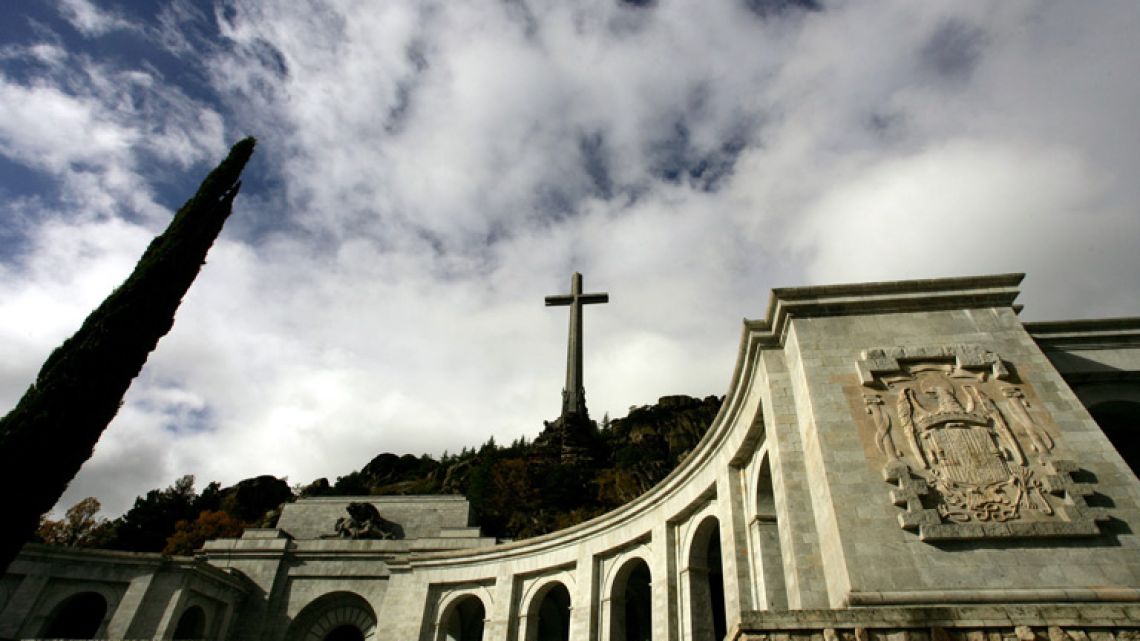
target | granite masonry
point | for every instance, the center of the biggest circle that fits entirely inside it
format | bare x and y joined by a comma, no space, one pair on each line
902,461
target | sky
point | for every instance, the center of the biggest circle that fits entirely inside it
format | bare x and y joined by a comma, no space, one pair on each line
427,171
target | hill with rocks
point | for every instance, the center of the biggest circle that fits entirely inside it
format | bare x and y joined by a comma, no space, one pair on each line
519,490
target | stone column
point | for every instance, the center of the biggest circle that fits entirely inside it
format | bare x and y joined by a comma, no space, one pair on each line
169,621
128,608
663,583
20,606
503,609
733,546
697,616
606,613
223,627
768,562
799,540
582,620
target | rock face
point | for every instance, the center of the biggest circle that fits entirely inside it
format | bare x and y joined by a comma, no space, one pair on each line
650,441
571,472
252,498
569,440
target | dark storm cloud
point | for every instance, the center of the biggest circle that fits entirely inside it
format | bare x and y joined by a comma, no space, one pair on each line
417,54
596,162
520,12
676,159
953,50
777,8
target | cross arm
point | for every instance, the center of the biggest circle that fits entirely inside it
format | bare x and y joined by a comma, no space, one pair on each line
586,299
555,301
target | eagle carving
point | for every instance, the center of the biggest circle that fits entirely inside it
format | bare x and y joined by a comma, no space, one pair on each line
967,455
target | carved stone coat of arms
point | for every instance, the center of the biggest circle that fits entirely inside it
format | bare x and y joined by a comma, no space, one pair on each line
968,456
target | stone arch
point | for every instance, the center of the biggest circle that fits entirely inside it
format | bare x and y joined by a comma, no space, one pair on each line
81,615
337,616
630,595
1096,393
548,613
1120,422
1115,406
6,590
462,618
704,582
767,557
191,624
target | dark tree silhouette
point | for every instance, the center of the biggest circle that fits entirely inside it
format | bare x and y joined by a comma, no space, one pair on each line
54,427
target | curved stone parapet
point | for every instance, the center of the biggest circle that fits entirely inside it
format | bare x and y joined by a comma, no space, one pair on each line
900,460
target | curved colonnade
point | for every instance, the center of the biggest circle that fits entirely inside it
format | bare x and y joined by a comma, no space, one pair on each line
656,568
824,502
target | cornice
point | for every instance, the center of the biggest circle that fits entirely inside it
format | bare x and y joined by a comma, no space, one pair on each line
935,294
1093,333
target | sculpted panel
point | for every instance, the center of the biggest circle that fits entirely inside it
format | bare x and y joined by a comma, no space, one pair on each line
364,522
968,453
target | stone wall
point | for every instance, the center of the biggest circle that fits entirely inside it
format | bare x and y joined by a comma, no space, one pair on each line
418,516
1057,622
892,462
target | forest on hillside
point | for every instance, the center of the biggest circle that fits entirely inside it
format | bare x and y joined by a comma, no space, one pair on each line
516,490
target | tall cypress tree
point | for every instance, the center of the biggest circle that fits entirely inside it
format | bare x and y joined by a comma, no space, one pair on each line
54,427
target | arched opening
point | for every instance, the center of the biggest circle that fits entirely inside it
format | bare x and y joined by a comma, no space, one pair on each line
769,562
706,583
77,617
338,616
631,603
463,620
191,625
346,632
1120,421
551,614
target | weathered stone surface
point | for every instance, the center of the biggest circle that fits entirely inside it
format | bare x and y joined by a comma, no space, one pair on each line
783,502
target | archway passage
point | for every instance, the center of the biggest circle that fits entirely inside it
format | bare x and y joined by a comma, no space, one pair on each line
191,625
553,622
716,587
463,621
78,617
1120,421
632,603
347,632
768,559
337,616
708,621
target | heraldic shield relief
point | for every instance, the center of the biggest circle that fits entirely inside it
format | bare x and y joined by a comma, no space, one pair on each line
967,450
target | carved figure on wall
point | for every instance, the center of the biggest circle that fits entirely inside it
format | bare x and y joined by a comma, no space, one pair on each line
364,522
1039,439
883,439
974,462
965,473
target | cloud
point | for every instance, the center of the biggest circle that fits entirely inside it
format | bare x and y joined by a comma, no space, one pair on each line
89,19
45,127
969,207
427,172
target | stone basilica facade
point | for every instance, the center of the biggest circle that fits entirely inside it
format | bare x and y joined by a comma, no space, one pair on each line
903,461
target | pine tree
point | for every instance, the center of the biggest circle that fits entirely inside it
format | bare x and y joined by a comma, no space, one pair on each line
53,429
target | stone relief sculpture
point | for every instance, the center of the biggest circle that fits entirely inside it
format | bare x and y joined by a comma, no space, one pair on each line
963,471
1040,441
364,522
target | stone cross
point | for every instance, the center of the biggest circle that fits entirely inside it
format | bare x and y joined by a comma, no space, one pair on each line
574,396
